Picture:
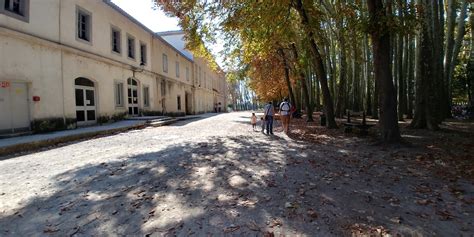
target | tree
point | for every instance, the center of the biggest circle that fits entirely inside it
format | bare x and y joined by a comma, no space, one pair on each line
427,79
381,48
318,63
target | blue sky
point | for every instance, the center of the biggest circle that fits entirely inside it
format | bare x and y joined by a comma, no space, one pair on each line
142,10
157,21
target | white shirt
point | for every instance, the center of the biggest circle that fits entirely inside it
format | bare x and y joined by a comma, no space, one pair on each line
285,112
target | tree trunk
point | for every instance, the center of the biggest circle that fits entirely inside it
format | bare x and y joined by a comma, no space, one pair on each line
426,103
341,95
356,93
287,76
332,81
411,76
400,70
387,95
438,38
368,76
304,87
318,93
470,70
448,52
331,75
461,31
319,65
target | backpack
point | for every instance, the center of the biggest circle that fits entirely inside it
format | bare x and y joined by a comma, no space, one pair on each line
285,106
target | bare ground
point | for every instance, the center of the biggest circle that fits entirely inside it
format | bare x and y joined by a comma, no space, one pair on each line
216,177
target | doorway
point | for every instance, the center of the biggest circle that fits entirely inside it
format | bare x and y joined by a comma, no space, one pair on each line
132,94
85,102
187,103
14,106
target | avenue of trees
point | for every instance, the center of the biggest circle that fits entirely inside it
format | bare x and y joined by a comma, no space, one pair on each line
394,59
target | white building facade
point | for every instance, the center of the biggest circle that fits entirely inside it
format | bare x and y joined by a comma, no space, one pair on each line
79,62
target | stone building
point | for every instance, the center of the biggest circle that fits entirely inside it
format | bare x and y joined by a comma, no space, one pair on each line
79,62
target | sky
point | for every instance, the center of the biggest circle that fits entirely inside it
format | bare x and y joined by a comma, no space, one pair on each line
142,10
157,21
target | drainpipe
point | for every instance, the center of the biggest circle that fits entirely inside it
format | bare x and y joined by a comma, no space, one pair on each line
62,62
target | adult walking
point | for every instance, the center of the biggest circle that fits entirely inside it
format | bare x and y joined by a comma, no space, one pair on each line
268,115
285,113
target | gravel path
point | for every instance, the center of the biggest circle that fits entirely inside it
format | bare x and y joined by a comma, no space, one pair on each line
213,176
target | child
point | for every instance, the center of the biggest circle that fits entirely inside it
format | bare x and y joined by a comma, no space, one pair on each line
253,121
262,123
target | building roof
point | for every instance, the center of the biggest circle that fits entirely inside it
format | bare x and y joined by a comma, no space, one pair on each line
176,39
171,32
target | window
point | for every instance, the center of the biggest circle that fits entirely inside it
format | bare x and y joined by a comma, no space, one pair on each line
16,8
146,96
83,24
131,47
119,94
116,40
165,63
187,73
179,102
143,54
163,88
177,69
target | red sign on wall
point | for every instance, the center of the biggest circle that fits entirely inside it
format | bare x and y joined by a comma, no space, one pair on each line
4,84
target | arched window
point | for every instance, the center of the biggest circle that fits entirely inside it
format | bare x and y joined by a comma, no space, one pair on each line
81,81
132,82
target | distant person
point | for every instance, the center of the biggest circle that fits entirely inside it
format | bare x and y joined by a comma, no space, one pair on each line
268,115
262,123
285,113
253,121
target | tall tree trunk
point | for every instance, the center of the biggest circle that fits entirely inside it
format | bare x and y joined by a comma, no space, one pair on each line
438,39
304,87
426,103
319,65
368,76
318,94
461,31
375,108
333,72
400,77
341,100
287,76
356,93
387,95
411,76
448,50
400,69
470,67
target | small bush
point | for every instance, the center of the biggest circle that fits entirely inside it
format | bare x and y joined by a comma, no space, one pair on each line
48,125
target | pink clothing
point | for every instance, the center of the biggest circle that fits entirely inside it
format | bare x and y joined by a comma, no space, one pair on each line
253,120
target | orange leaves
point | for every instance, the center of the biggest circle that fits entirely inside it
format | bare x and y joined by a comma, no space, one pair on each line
267,78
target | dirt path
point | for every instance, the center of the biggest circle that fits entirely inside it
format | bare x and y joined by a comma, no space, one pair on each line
218,177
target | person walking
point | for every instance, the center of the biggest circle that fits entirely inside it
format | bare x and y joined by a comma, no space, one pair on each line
262,124
285,113
268,115
253,121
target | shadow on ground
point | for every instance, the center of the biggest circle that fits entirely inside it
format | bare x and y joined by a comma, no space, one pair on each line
245,186
195,188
